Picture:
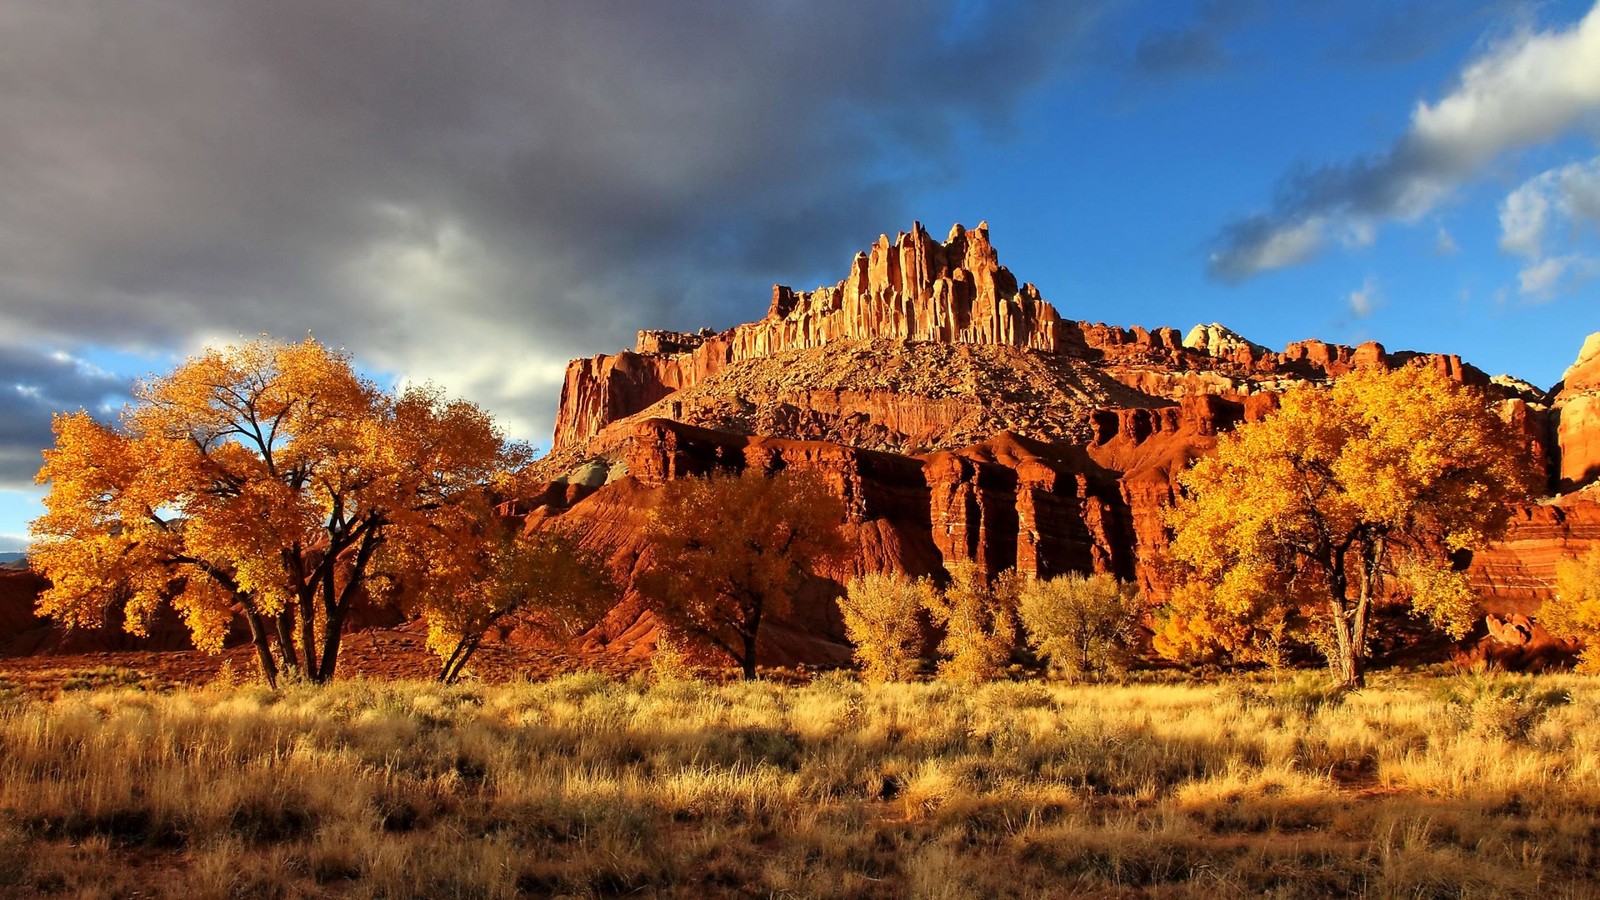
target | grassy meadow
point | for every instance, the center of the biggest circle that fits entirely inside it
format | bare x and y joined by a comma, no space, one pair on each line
586,786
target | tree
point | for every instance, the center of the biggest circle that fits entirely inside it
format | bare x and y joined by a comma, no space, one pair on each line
1384,474
727,550
1082,624
257,481
1574,611
880,618
462,588
979,618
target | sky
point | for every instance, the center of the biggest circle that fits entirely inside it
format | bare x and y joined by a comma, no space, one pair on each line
471,192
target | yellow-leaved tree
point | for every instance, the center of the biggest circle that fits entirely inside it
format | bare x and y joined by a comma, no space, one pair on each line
1574,612
881,619
257,481
979,618
728,550
1343,497
468,578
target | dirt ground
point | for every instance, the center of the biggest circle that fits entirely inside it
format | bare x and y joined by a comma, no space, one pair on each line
379,653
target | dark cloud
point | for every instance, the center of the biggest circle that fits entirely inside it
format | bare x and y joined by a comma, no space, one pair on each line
470,192
33,387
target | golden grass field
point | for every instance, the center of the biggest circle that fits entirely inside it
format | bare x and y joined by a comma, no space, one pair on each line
1420,786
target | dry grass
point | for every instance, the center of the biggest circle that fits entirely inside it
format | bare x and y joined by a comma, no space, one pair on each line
586,787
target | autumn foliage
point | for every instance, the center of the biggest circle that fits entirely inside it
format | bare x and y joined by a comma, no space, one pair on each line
1084,626
882,619
260,482
1574,611
1344,497
728,550
979,618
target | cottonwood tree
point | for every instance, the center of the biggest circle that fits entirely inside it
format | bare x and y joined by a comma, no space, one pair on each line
1082,624
466,579
1574,611
881,618
256,481
1345,495
726,551
979,618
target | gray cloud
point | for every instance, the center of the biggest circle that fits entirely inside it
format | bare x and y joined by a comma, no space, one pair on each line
469,192
1525,90
1198,47
33,387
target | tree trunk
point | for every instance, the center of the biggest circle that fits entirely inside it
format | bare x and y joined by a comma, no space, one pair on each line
457,663
1346,663
258,636
748,662
285,623
308,640
331,632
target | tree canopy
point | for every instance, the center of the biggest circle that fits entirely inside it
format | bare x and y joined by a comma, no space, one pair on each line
257,481
1574,611
726,550
1342,497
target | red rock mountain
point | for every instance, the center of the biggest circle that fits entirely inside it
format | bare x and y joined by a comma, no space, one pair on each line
962,417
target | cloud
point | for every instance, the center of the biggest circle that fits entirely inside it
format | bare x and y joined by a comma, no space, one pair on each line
1445,244
1523,91
1195,48
34,385
1365,299
1554,207
471,193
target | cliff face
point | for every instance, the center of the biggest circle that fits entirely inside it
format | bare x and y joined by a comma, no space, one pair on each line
962,418
915,290
1577,410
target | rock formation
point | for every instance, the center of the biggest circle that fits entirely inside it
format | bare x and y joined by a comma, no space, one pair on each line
963,418
915,290
1577,410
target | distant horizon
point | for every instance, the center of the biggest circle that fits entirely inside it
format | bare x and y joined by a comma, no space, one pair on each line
473,199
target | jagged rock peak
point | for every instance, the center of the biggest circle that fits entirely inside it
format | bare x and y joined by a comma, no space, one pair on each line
1220,341
912,287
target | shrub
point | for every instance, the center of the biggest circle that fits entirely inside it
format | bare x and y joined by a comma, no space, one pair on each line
1081,624
1574,612
880,618
979,619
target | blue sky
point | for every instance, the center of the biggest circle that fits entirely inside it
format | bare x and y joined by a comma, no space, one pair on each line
473,193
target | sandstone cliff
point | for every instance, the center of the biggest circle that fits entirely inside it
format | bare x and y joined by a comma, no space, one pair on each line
915,290
1577,408
963,418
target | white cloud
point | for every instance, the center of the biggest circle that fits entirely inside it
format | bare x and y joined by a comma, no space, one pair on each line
1365,299
1525,90
1445,243
1555,207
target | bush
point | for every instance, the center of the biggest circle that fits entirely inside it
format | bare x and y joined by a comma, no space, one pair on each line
979,619
1574,612
880,618
1082,625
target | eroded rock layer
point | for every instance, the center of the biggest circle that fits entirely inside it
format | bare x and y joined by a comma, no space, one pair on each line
915,289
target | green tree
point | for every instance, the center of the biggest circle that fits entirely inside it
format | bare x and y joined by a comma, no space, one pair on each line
1377,477
1082,624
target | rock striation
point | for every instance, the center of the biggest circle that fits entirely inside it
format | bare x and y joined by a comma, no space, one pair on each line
915,289
963,418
